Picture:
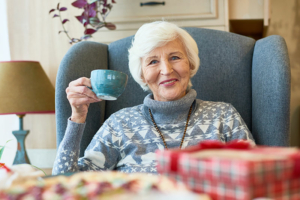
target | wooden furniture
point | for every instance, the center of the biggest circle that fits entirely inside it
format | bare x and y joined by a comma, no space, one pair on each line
249,18
130,15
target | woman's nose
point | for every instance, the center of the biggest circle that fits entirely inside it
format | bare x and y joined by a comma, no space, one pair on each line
166,68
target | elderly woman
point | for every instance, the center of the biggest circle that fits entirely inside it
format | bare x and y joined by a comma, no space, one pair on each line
162,59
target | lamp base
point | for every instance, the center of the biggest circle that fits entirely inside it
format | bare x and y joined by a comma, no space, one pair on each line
21,155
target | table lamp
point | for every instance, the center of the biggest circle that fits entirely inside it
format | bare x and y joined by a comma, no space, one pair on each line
24,89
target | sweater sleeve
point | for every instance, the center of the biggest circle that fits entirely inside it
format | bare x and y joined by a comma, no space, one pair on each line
68,150
100,155
234,126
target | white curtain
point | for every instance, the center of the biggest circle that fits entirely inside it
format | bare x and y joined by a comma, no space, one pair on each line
4,39
8,123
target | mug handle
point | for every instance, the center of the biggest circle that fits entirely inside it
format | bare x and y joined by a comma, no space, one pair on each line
90,87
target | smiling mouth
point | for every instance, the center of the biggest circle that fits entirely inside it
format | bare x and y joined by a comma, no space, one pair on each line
168,81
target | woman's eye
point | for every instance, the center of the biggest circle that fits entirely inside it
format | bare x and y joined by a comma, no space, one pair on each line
153,62
174,58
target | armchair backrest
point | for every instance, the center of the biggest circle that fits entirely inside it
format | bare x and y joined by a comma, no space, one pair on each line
254,76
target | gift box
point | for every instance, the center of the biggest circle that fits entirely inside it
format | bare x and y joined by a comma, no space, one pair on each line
235,171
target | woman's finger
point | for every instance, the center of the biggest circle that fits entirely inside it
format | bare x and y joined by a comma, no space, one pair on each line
77,99
83,90
75,95
83,81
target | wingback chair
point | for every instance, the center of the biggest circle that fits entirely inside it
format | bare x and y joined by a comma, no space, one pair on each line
254,76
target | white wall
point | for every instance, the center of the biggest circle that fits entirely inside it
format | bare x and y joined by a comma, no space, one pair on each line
285,21
4,40
8,123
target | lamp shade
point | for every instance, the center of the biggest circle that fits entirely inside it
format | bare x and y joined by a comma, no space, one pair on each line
25,88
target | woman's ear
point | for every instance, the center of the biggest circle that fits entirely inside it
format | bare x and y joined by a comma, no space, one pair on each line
192,67
141,70
142,77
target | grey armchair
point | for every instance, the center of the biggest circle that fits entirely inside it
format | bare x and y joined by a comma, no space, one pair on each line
254,76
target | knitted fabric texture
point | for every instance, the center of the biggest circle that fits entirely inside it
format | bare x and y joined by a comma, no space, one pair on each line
127,140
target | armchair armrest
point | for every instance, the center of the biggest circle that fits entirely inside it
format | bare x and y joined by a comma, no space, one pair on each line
270,98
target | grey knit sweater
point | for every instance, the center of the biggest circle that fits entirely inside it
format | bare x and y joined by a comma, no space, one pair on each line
127,140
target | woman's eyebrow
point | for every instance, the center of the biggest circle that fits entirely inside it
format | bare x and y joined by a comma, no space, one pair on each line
176,52
150,58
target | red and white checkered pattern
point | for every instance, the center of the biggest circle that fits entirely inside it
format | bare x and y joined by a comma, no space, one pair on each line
236,171
219,190
229,179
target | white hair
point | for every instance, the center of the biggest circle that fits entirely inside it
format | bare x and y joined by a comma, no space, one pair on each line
157,34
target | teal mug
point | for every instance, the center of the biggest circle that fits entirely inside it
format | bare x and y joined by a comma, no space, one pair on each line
108,84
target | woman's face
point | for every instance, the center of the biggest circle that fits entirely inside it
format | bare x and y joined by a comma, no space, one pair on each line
166,70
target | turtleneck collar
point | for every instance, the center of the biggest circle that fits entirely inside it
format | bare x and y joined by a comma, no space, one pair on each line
169,111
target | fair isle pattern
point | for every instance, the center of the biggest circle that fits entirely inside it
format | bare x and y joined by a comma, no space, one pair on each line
127,141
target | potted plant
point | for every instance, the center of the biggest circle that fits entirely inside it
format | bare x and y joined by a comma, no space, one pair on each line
2,165
92,18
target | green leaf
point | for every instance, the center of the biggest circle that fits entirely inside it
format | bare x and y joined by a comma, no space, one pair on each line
96,23
94,20
2,148
39,169
1,152
91,1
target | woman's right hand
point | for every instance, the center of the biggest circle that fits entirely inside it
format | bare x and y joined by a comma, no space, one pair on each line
80,97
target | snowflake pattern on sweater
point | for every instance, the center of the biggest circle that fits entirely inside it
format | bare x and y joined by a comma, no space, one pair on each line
127,140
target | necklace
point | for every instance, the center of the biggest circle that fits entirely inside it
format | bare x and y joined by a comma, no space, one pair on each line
162,137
